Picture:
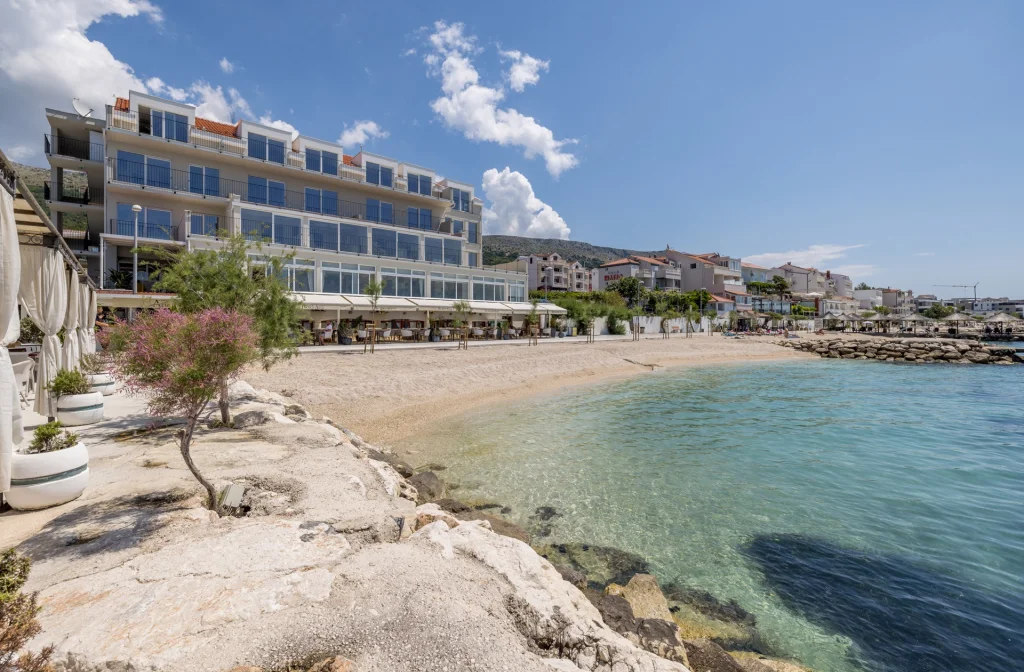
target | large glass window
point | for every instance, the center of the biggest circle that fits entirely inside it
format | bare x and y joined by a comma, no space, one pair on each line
452,251
472,259
276,193
378,174
153,223
354,279
169,125
203,225
402,282
419,184
257,225
203,180
312,200
389,282
275,151
299,274
131,167
488,289
313,159
287,230
323,235
379,211
408,246
352,238
517,291
330,163
449,286
433,249
458,227
460,199
158,173
258,146
329,202
418,218
330,277
384,243
474,232
257,189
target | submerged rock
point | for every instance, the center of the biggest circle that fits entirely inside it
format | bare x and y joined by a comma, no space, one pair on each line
602,565
707,604
651,634
706,656
428,486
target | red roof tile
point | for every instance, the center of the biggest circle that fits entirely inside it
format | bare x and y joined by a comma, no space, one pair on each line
347,160
649,260
617,262
121,104
230,130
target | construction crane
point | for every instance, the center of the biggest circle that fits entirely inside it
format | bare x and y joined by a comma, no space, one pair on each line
974,286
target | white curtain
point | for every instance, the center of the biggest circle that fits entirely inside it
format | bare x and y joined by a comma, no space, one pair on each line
10,276
86,319
72,353
44,293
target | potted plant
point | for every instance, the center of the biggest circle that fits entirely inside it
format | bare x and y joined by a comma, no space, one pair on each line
76,405
435,334
345,333
99,380
503,330
52,470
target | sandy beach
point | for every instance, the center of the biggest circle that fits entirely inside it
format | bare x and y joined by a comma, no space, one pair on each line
393,394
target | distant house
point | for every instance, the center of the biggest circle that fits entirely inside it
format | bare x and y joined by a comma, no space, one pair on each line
551,272
660,273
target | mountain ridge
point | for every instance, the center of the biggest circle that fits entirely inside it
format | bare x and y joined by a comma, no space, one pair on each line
502,249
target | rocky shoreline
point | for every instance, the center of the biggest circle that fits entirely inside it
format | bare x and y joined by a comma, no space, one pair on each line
916,350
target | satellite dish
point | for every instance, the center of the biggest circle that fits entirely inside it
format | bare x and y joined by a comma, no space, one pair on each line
81,108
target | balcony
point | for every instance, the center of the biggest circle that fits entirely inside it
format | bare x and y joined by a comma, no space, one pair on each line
71,195
254,149
147,230
59,145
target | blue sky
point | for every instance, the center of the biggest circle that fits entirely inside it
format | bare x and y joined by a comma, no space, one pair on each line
881,139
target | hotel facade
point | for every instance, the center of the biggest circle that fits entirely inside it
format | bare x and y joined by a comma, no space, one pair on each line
344,219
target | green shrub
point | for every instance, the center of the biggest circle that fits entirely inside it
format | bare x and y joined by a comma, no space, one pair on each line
616,323
91,365
18,613
51,437
30,333
67,383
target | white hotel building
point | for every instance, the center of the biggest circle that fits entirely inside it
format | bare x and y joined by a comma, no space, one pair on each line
346,218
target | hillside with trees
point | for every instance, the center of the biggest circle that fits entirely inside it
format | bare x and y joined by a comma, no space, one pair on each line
501,249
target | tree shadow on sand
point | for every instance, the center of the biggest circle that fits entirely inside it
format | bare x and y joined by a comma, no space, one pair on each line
902,616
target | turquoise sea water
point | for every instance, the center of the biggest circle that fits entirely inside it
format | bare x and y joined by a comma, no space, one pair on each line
871,516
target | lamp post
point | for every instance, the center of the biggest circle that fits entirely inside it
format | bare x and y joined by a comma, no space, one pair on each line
136,209
701,301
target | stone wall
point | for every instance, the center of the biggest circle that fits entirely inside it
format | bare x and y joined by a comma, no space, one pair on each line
927,350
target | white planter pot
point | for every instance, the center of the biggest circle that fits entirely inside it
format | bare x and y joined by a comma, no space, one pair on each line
47,479
103,383
80,409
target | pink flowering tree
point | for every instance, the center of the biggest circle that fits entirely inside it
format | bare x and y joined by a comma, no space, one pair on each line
178,362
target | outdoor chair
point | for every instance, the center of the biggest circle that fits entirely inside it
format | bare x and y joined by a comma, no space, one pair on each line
23,374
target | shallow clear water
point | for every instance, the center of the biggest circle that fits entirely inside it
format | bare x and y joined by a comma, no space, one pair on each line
871,516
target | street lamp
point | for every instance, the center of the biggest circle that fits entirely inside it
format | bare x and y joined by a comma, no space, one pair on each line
701,301
136,209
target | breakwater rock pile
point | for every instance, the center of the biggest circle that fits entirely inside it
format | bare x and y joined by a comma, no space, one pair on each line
918,350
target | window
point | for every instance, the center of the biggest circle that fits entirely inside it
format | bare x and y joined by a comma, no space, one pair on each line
153,223
298,274
384,243
313,159
488,289
474,232
693,266
287,230
452,251
472,259
169,125
352,238
323,235
202,180
408,246
419,218
433,249
257,225
158,173
378,211
419,184
460,199
517,291
449,286
312,200
402,282
330,163
203,225
355,278
257,190
330,277
258,146
276,193
131,167
457,227
378,174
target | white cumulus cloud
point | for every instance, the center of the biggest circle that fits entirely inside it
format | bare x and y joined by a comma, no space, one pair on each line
815,255
267,120
515,210
213,103
227,66
857,270
525,69
472,108
158,87
46,59
360,133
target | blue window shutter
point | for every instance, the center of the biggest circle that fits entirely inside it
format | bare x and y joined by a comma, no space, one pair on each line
212,182
425,185
412,217
414,183
195,179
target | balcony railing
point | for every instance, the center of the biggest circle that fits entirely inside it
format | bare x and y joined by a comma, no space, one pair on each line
254,148
78,195
148,230
59,145
259,193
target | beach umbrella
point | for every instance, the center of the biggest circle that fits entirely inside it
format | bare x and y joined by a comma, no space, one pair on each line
1002,318
957,318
